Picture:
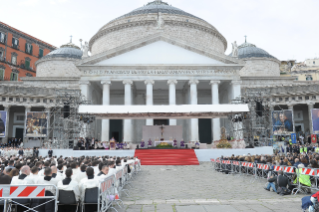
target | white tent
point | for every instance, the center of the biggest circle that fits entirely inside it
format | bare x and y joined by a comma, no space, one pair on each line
162,111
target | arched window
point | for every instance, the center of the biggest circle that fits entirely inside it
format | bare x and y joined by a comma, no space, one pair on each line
309,78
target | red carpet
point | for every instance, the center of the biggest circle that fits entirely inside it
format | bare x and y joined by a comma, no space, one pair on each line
178,157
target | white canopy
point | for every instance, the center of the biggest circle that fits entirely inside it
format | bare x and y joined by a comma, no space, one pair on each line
162,111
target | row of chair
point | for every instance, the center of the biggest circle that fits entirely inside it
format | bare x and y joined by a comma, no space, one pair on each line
263,171
103,197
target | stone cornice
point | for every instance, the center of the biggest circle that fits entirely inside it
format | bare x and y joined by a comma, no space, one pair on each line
50,78
262,58
45,59
157,37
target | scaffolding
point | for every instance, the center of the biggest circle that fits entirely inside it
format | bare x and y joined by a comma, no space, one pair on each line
254,127
67,125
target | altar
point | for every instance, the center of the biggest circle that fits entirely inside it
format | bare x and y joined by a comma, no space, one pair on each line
158,142
163,133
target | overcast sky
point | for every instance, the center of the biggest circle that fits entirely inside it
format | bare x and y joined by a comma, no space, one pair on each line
287,29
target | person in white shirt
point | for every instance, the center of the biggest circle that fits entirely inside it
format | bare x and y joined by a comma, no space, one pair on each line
45,165
95,166
81,175
89,182
75,168
68,184
112,168
23,178
34,175
104,170
47,179
55,174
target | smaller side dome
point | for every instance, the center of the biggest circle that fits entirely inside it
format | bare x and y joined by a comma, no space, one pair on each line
68,50
248,50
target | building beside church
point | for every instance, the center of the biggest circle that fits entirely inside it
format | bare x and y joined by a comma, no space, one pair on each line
19,52
161,55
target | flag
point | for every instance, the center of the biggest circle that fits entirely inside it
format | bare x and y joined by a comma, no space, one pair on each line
313,138
293,138
282,150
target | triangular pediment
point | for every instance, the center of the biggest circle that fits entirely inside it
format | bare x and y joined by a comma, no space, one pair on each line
159,49
160,53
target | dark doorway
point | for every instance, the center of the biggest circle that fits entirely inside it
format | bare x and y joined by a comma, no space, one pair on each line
205,130
161,122
19,133
116,130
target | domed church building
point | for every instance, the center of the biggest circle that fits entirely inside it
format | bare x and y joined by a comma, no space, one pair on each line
160,55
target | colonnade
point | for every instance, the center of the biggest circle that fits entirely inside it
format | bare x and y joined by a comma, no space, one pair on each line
193,100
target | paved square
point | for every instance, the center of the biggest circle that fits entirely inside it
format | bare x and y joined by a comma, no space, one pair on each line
201,189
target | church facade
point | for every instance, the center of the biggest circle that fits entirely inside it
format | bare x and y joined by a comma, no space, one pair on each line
162,55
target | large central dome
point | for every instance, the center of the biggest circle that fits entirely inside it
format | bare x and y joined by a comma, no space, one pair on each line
157,7
153,18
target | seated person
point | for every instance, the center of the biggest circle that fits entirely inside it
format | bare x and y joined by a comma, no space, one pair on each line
277,181
69,185
303,179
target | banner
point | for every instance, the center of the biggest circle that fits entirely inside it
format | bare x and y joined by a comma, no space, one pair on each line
315,120
313,138
36,124
282,122
293,138
3,121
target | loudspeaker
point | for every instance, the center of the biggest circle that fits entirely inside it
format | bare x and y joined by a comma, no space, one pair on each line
66,111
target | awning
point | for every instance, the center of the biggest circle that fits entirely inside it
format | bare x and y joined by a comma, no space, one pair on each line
162,111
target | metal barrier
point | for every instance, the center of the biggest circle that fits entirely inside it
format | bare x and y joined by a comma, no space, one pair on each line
106,194
236,167
10,194
213,163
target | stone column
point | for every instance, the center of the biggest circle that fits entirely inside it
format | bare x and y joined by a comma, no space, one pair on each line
6,136
105,134
236,89
291,107
127,101
48,111
310,107
172,98
85,87
193,101
27,109
149,98
215,101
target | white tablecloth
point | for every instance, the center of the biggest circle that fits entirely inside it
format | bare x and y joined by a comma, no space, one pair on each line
158,142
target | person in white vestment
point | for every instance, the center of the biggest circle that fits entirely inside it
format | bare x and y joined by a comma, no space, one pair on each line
23,178
95,166
55,174
89,182
47,179
34,174
45,165
68,184
104,170
80,175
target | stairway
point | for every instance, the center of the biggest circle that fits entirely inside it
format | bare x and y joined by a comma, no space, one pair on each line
178,157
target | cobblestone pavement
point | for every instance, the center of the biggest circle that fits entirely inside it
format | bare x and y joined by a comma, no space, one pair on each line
201,189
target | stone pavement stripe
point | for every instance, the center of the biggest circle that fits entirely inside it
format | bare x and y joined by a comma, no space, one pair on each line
191,208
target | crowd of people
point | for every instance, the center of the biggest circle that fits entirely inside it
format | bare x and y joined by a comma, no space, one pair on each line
67,173
94,144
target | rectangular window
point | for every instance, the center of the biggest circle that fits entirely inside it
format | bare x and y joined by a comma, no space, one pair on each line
27,64
14,77
2,37
14,59
28,48
1,54
1,74
40,53
15,43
